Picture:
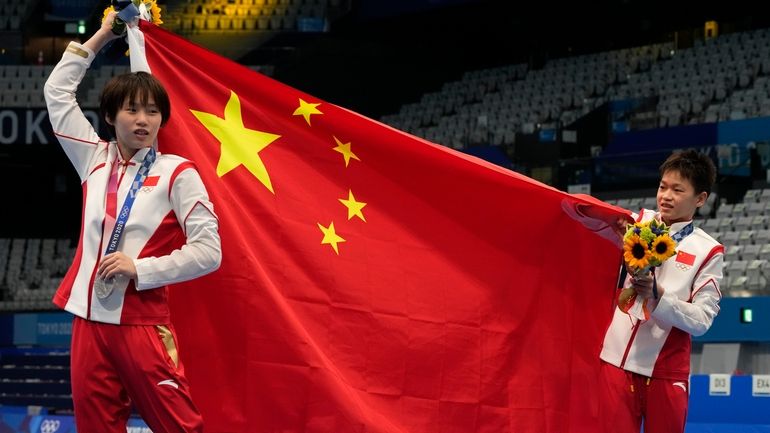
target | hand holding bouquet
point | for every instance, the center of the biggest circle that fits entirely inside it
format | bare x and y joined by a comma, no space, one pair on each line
646,245
129,9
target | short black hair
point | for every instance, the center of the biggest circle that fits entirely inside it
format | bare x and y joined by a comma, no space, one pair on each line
694,166
131,86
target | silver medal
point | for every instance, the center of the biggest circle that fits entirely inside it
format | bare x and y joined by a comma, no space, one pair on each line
104,287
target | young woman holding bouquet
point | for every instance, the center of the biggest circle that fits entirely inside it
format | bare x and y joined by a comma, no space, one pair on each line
123,345
646,363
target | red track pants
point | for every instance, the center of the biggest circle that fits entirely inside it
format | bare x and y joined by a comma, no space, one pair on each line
628,398
114,366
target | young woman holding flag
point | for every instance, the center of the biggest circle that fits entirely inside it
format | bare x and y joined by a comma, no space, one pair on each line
147,222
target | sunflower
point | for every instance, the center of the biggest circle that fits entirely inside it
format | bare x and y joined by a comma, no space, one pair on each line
662,248
154,12
107,11
636,252
150,5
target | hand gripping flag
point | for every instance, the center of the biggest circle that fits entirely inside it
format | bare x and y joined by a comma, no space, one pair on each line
373,281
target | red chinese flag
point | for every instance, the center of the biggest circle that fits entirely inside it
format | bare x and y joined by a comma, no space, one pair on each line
373,281
151,181
685,258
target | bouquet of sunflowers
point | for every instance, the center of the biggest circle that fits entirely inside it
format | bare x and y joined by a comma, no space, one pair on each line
646,245
145,9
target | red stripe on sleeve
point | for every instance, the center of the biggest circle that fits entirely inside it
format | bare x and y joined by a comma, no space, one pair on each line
180,168
95,143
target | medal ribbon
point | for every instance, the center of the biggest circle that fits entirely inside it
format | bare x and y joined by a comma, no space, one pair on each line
122,217
681,234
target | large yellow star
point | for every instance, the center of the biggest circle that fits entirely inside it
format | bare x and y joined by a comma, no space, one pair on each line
305,109
239,145
354,207
344,149
330,236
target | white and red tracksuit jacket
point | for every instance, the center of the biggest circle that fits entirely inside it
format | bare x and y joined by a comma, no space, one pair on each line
172,231
660,347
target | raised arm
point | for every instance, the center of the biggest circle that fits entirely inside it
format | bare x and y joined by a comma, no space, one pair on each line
76,135
103,35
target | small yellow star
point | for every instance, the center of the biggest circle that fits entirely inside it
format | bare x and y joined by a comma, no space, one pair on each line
354,207
344,149
330,236
306,109
239,145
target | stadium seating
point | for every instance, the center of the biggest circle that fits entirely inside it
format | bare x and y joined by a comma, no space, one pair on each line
27,91
12,14
722,79
30,272
22,85
217,16
36,377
